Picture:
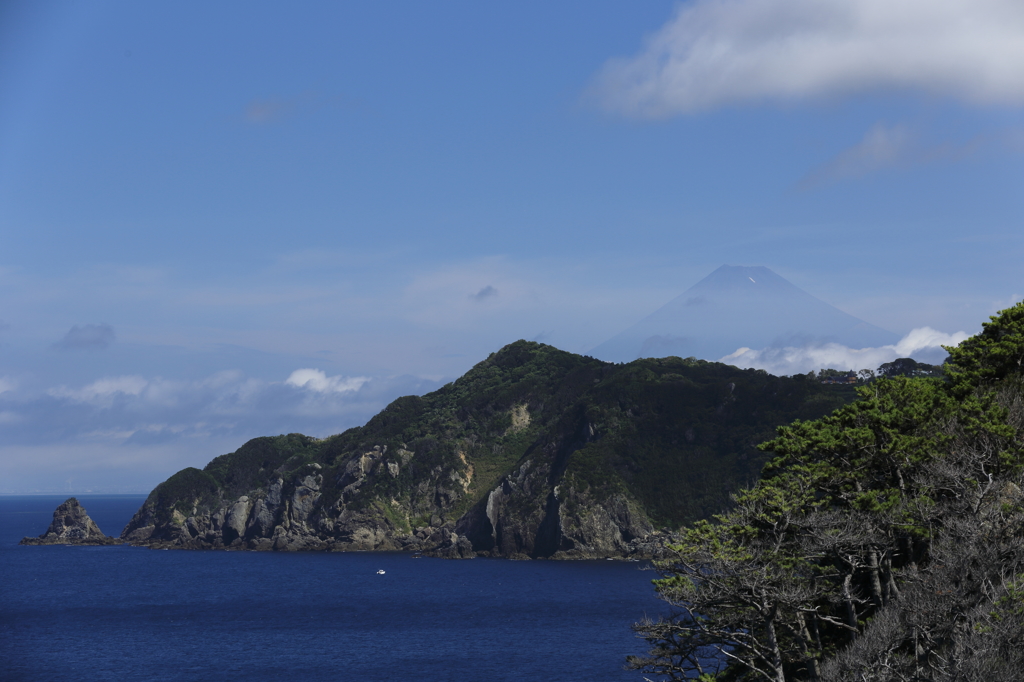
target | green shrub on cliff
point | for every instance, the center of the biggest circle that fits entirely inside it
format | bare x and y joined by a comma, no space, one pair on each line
181,491
883,542
670,438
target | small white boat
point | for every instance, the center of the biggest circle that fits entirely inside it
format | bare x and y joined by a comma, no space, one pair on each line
380,572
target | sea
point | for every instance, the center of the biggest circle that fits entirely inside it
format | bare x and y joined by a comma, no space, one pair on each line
128,613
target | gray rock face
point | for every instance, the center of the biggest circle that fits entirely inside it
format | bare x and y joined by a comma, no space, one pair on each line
234,520
71,526
304,499
453,546
261,522
599,530
524,515
530,512
274,493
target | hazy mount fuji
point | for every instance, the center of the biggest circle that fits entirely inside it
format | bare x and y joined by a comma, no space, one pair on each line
736,307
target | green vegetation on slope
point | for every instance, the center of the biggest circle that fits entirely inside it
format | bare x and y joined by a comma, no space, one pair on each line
677,435
884,541
681,435
673,437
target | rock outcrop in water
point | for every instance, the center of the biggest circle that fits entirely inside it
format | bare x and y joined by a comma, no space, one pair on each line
72,526
533,453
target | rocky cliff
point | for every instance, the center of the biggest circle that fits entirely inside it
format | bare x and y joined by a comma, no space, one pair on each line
71,525
533,453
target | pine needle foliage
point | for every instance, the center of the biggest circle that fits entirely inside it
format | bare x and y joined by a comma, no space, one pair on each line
884,541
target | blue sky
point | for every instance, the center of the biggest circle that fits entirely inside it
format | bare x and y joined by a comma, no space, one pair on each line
238,219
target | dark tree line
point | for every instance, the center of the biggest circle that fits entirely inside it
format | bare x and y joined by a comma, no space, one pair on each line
900,367
883,542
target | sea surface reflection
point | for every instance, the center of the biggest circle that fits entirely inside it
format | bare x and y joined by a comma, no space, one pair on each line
118,613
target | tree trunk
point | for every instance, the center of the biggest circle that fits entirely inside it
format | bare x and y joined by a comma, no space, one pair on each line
773,645
810,659
877,598
892,591
851,612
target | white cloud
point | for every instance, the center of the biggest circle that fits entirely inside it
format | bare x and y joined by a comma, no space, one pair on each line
102,390
316,380
881,147
886,147
923,344
715,53
7,384
103,435
487,292
134,411
925,338
87,336
998,306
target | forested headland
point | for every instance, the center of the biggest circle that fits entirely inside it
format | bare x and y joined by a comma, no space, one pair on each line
884,541
535,452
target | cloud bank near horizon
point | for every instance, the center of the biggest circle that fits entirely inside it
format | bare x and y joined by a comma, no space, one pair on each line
717,53
161,425
135,409
924,344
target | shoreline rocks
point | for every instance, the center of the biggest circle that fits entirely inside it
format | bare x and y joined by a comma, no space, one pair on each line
71,525
513,521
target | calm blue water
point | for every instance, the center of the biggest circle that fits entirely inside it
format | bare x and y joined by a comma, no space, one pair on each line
125,613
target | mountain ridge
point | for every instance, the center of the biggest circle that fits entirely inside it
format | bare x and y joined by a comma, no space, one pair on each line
535,452
736,307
